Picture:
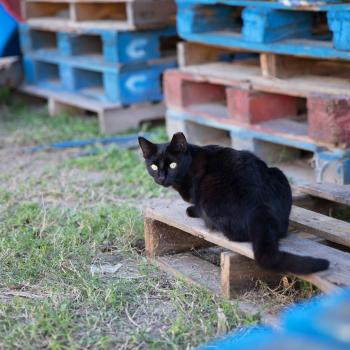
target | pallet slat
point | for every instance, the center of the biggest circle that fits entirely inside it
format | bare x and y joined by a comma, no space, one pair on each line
193,269
75,14
329,228
113,118
262,27
337,275
333,192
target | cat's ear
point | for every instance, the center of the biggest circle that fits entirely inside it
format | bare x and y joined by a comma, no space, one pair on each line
148,148
179,143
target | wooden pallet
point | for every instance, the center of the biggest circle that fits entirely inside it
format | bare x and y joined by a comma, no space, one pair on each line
113,118
268,72
319,31
127,84
331,192
103,14
10,71
99,46
303,75
170,236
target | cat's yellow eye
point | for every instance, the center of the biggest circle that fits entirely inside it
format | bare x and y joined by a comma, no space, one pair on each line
173,165
154,167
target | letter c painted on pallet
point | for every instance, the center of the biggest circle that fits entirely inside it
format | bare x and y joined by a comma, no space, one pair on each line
136,83
136,49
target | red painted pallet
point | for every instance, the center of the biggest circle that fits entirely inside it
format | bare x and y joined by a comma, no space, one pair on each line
230,93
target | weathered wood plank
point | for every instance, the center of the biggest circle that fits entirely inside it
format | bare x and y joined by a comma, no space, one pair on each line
122,119
324,226
280,66
10,71
192,53
338,274
192,269
332,192
161,239
302,86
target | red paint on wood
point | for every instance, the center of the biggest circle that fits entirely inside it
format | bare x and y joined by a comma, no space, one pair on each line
183,90
329,120
172,84
195,93
253,107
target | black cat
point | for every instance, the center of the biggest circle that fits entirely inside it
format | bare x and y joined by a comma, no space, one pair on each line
233,192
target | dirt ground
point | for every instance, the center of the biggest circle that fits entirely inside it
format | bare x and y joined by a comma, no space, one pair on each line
73,271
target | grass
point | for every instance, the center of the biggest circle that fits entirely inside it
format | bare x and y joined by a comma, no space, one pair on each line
59,215
48,253
31,126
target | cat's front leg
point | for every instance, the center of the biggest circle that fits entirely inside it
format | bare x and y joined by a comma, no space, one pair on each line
184,193
193,212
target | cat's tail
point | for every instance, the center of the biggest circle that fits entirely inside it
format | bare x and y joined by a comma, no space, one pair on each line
264,237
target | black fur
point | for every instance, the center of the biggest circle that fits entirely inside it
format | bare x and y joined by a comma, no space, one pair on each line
233,192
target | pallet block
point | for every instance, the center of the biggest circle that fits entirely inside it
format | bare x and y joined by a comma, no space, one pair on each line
329,119
260,26
10,72
106,14
113,118
98,46
119,84
174,223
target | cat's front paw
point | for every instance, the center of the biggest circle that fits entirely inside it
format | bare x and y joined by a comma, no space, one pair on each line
192,212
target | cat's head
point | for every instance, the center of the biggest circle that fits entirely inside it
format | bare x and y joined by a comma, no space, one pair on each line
167,163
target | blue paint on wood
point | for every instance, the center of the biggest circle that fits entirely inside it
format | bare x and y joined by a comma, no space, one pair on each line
122,85
97,46
198,19
263,25
334,5
331,165
339,23
264,29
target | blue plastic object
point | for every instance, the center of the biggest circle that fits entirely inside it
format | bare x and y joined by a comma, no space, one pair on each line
320,324
9,44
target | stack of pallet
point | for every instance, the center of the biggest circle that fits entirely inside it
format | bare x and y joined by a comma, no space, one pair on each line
268,76
104,56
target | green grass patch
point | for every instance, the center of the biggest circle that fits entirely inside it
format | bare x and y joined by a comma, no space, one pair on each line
49,252
28,126
127,171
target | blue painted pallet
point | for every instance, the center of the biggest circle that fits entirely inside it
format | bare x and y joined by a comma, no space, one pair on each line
319,324
99,46
331,165
121,85
265,29
302,5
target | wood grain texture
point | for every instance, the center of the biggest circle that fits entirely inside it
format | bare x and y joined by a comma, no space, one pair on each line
250,74
192,269
173,215
161,239
281,67
239,274
332,192
329,228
